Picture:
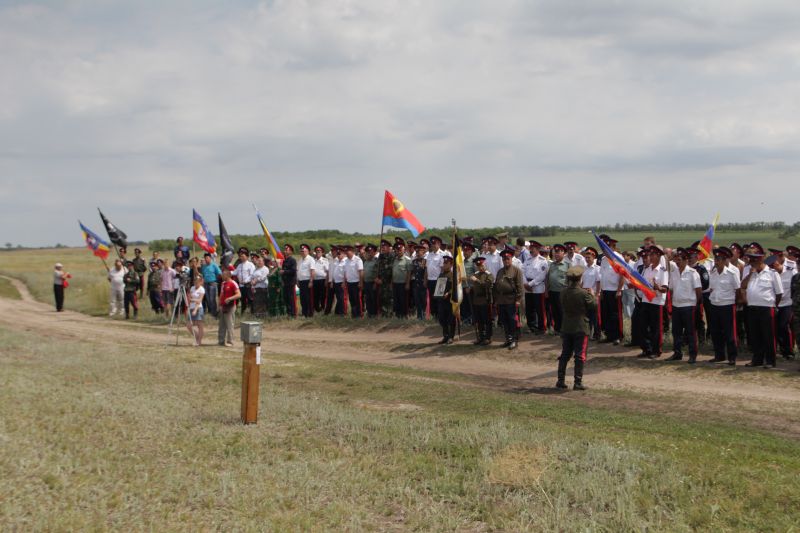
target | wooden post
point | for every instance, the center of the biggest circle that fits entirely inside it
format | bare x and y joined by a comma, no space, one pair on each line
251,365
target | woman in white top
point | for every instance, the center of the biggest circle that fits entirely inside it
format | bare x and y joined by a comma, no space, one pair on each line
60,277
196,311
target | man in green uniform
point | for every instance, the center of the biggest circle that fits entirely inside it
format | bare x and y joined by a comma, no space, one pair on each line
576,305
556,281
469,269
481,285
140,266
401,280
508,294
370,272
131,281
383,278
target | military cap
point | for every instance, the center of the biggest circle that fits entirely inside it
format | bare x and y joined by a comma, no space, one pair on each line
642,252
411,244
307,247
347,247
656,249
507,253
603,237
320,248
692,250
137,250
288,247
358,245
161,261
370,248
447,259
755,250
775,251
721,251
479,259
570,244
468,245
556,247
737,246
590,249
575,272
682,252
469,238
502,235
436,238
771,260
399,240
263,251
243,250
179,239
128,262
490,238
384,242
425,242
610,240
253,255
419,246
334,247
535,244
152,263
398,245
793,250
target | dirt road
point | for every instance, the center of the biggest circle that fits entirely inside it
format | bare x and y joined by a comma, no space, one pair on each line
531,367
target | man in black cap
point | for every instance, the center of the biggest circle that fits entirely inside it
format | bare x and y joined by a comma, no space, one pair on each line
433,265
481,286
469,269
383,279
534,271
370,273
794,286
508,293
401,279
724,283
140,266
320,284
764,290
419,283
577,306
611,298
704,309
652,311
442,294
687,296
305,278
786,269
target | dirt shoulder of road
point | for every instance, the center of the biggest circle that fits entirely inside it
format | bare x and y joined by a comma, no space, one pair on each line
766,399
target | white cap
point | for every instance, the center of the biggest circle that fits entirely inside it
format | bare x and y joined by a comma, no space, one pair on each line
59,265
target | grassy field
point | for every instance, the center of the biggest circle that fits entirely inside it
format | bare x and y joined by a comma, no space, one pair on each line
7,290
101,436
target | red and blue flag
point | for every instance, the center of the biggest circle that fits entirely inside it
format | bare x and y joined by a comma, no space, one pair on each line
625,270
272,244
396,215
202,236
707,242
98,246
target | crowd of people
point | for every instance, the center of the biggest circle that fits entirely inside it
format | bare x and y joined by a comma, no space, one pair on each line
744,295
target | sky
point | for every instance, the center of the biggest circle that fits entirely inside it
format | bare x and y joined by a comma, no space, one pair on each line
494,113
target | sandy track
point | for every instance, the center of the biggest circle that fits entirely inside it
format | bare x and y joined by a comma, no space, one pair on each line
531,368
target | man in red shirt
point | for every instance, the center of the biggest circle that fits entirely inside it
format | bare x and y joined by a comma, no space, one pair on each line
228,295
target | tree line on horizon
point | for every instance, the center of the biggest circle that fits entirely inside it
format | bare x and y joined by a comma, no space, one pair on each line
326,237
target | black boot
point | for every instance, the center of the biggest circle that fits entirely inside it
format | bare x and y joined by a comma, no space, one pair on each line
578,385
562,373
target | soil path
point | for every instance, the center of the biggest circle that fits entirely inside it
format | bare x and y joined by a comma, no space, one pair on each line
530,368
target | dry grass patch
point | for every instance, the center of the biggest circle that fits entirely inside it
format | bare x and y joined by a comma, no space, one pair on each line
519,465
387,406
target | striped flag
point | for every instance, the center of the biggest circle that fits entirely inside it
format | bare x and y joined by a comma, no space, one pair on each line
272,244
201,234
98,246
707,243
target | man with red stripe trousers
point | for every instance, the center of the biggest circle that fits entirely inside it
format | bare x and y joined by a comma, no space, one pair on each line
764,290
652,312
687,295
786,269
534,270
724,282
611,298
576,305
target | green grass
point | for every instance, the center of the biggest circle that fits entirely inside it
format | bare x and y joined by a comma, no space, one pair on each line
102,436
7,290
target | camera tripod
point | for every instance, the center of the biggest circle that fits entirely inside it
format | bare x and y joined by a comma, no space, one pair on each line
180,298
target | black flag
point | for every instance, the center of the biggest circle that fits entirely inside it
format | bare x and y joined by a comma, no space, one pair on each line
226,255
116,235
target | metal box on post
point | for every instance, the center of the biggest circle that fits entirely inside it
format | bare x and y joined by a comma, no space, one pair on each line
251,332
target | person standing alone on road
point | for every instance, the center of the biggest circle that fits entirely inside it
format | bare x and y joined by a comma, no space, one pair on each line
576,305
60,278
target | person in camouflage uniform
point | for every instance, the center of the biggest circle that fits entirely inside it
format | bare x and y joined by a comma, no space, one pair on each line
276,305
383,278
131,281
140,266
154,287
481,285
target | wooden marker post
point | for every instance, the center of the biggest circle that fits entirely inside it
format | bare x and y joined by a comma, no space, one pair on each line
251,366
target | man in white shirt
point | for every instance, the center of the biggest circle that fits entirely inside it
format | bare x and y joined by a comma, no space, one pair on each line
493,260
354,277
572,257
590,282
687,295
764,290
534,272
723,280
786,269
336,281
319,285
611,297
305,277
260,283
116,297
433,267
652,319
244,274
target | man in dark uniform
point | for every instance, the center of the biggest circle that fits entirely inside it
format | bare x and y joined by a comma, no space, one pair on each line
140,266
508,293
419,286
794,254
702,315
383,279
556,281
131,281
401,279
289,279
482,284
444,307
576,305
370,271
